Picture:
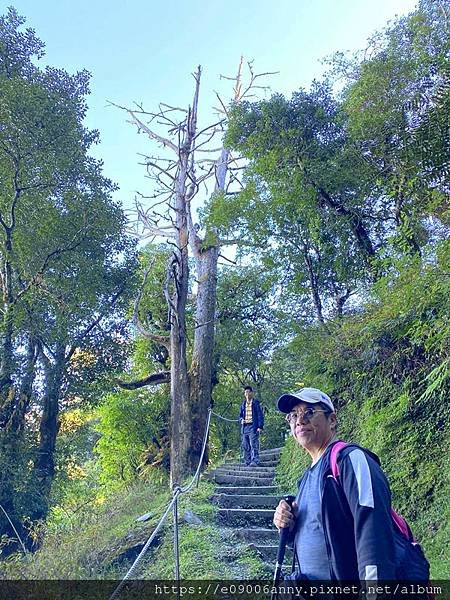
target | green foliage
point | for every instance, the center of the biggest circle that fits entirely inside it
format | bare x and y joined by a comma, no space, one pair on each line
86,543
93,542
342,283
398,107
293,462
133,435
152,306
198,544
343,190
76,481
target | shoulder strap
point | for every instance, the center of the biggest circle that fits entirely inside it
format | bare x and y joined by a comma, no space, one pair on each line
335,449
399,522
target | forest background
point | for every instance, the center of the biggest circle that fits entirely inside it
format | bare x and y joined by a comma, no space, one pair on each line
335,205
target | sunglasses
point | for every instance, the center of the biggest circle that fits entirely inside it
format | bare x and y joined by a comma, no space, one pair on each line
306,414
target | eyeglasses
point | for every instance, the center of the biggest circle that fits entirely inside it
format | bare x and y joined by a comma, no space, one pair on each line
306,414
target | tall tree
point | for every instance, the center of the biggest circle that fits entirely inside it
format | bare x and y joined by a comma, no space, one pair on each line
337,183
179,178
64,258
396,103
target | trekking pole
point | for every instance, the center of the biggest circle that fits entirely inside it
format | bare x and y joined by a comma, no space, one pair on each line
284,533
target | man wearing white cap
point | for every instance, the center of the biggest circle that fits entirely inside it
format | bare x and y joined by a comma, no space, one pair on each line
341,527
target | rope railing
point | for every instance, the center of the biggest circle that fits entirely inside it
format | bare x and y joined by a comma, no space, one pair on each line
224,418
15,531
173,505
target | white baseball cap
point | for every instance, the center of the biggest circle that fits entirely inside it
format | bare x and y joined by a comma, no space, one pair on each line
286,402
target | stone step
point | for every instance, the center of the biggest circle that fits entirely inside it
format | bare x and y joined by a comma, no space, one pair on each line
268,463
257,471
274,456
269,553
218,473
270,451
243,480
262,463
246,467
257,535
245,501
245,516
268,489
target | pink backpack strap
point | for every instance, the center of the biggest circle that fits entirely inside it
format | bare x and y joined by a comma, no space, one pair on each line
335,449
402,526
397,519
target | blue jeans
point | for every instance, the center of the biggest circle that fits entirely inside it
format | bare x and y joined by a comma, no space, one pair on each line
250,444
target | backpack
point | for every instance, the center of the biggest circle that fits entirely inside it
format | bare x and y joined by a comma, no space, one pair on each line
410,559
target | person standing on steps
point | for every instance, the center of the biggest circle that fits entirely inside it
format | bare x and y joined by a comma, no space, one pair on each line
252,423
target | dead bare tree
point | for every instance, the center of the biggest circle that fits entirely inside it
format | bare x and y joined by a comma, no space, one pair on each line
181,172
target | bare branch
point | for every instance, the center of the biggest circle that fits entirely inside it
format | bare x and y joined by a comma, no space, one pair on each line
166,232
224,109
233,262
165,199
37,279
209,127
173,108
209,150
205,142
162,170
154,379
232,242
198,325
96,322
143,127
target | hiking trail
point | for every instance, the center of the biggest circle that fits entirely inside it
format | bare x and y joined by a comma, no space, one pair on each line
247,498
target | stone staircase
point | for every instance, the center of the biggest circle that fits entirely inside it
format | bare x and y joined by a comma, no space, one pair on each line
247,499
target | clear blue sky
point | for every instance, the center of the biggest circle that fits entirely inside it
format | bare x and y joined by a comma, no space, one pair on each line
145,50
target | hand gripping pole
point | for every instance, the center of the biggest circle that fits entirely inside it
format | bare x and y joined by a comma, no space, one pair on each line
284,534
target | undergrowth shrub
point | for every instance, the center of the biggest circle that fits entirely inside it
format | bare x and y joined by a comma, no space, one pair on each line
133,440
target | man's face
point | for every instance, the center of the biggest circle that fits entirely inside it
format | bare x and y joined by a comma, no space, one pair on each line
248,394
312,433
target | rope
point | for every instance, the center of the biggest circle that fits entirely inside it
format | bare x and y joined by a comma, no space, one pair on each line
173,504
199,466
142,553
15,530
176,551
224,418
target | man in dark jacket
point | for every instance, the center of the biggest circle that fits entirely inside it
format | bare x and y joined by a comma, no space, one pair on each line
252,423
340,530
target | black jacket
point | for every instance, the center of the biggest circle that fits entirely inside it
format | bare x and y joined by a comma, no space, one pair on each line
356,517
257,414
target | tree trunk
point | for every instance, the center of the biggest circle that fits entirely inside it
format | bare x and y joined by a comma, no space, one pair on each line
11,473
202,359
181,430
14,458
44,463
26,388
355,223
7,391
190,389
181,434
313,283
